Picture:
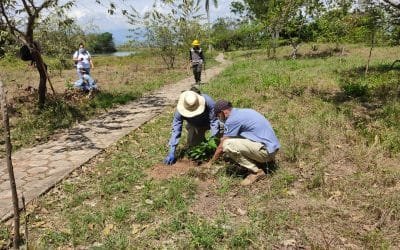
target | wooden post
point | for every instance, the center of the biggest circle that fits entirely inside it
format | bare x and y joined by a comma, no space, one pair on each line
7,139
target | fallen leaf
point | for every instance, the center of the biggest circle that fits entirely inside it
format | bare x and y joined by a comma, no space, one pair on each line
107,230
241,212
38,224
44,210
135,229
289,243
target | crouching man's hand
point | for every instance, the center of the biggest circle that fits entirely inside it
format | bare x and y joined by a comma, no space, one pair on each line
170,159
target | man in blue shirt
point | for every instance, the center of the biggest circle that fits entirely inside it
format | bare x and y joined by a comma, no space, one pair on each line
248,139
198,111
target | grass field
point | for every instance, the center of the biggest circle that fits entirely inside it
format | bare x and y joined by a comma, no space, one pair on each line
121,79
337,184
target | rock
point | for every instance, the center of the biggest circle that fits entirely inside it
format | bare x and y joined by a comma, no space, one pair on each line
149,202
290,243
241,211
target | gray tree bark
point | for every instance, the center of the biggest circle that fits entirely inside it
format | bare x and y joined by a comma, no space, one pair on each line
7,138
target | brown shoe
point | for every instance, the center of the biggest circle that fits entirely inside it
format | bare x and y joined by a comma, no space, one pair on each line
251,178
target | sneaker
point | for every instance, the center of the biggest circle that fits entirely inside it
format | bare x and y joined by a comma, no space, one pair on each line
251,178
268,167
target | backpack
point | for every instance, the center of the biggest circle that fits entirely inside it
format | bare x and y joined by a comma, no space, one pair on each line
25,53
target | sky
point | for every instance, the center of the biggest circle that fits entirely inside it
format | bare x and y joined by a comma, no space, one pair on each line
89,13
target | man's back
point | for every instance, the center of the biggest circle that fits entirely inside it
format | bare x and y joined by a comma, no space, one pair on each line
252,125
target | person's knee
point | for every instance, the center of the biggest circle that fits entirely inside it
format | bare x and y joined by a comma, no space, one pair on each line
228,146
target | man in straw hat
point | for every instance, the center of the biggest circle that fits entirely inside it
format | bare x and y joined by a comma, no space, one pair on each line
196,58
198,112
248,139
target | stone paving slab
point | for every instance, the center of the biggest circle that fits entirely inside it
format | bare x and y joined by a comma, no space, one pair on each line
38,169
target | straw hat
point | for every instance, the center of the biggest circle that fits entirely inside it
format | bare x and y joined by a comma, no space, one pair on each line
190,104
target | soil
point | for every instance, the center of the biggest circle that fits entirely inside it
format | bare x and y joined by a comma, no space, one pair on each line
162,171
208,203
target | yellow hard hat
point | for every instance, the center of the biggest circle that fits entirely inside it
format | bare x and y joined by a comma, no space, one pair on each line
196,43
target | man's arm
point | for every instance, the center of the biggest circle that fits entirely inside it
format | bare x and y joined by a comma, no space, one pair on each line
218,151
90,60
214,124
176,130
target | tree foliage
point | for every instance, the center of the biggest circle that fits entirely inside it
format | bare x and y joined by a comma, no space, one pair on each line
20,18
171,33
59,36
101,43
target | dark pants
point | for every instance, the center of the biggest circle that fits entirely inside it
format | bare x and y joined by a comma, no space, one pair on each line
197,72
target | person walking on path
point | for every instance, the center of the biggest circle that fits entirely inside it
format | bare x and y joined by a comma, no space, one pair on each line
83,61
248,139
196,59
198,111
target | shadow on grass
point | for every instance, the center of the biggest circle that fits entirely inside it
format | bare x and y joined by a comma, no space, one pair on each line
235,170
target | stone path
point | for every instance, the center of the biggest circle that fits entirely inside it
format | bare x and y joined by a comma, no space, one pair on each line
38,169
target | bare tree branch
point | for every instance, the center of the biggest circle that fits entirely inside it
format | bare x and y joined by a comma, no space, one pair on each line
11,27
395,4
26,7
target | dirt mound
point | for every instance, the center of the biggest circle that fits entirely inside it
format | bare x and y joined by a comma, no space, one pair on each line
162,171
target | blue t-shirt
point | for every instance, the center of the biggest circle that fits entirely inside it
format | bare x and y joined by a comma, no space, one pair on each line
205,119
250,124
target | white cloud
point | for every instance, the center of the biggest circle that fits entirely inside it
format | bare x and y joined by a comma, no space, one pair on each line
87,12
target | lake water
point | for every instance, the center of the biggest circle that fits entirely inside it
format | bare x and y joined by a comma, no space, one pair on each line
118,53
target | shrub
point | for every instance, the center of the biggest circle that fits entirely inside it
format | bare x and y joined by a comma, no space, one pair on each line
355,89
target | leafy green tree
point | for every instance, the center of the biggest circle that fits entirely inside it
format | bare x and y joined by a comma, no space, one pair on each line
372,20
60,36
163,35
222,33
6,41
101,43
335,23
242,11
16,15
280,15
172,33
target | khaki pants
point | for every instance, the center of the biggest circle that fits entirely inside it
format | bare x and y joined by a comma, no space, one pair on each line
247,153
196,135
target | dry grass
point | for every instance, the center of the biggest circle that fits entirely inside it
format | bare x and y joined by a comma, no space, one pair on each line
337,185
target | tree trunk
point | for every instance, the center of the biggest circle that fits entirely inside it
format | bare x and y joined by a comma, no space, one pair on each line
295,47
275,38
370,52
6,124
40,66
209,32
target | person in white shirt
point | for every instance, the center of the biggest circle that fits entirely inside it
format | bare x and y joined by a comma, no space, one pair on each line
83,61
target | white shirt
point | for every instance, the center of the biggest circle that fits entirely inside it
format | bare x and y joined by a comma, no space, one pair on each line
83,59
